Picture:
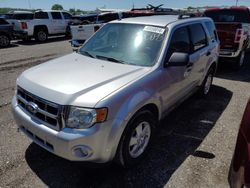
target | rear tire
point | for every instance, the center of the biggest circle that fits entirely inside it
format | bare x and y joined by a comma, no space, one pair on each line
41,35
136,139
239,61
207,83
4,41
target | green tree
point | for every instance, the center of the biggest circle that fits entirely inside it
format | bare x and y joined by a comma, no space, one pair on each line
72,11
57,7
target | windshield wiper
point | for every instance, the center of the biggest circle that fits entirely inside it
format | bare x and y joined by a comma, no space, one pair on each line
86,53
110,59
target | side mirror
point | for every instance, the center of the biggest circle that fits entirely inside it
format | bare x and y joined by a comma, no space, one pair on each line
177,59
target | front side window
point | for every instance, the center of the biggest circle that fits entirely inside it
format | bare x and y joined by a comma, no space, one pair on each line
198,36
180,41
56,15
126,44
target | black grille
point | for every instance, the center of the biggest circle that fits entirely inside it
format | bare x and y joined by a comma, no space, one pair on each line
46,111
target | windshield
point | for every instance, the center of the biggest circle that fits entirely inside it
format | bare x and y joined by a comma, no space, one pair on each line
126,43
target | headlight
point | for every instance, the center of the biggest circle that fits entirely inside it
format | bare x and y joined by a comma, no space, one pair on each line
83,118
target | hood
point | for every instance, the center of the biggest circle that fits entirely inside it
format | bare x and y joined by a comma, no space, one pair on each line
76,77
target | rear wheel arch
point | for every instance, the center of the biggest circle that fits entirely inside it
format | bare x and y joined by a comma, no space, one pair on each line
41,27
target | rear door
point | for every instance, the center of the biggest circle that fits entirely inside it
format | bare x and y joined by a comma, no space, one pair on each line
200,53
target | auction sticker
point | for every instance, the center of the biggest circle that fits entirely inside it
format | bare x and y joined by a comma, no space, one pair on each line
154,29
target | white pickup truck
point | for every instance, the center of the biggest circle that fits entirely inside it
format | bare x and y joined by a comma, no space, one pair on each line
45,23
81,33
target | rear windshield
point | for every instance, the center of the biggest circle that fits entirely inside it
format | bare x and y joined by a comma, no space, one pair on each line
228,15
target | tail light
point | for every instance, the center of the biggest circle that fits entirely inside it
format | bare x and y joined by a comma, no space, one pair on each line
96,28
238,35
24,25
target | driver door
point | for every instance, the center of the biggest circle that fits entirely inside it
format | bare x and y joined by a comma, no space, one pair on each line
176,80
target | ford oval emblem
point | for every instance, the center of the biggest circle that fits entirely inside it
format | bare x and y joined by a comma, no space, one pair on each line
32,107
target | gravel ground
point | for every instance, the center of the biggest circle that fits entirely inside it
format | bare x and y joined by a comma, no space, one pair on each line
194,144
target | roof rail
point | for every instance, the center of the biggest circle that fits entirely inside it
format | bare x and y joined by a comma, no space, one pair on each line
184,16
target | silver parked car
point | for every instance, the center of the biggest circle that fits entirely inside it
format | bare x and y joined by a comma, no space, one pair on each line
104,102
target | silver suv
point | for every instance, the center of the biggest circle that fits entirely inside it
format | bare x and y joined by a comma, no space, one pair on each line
104,102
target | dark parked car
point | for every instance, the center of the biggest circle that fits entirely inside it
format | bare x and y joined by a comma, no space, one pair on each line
240,168
6,33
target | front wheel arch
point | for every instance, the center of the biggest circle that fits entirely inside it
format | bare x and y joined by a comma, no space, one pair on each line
120,157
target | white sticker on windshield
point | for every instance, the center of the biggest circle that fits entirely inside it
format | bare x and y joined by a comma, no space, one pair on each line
154,29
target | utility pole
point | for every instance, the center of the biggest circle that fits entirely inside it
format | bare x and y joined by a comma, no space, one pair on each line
237,2
29,4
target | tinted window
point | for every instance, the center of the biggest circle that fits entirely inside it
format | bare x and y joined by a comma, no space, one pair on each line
56,15
108,17
6,16
180,41
212,31
23,16
41,15
3,22
66,15
228,15
198,36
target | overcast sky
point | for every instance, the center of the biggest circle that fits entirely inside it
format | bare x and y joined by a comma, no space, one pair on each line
121,4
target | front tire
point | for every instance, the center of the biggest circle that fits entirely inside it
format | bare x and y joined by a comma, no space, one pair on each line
136,139
4,41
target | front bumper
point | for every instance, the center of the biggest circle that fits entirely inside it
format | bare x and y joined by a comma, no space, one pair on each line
91,145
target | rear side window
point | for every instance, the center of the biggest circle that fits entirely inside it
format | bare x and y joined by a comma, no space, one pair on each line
212,31
66,16
56,15
180,42
41,15
198,36
228,15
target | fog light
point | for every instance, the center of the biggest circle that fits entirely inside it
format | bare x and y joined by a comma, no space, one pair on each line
82,151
